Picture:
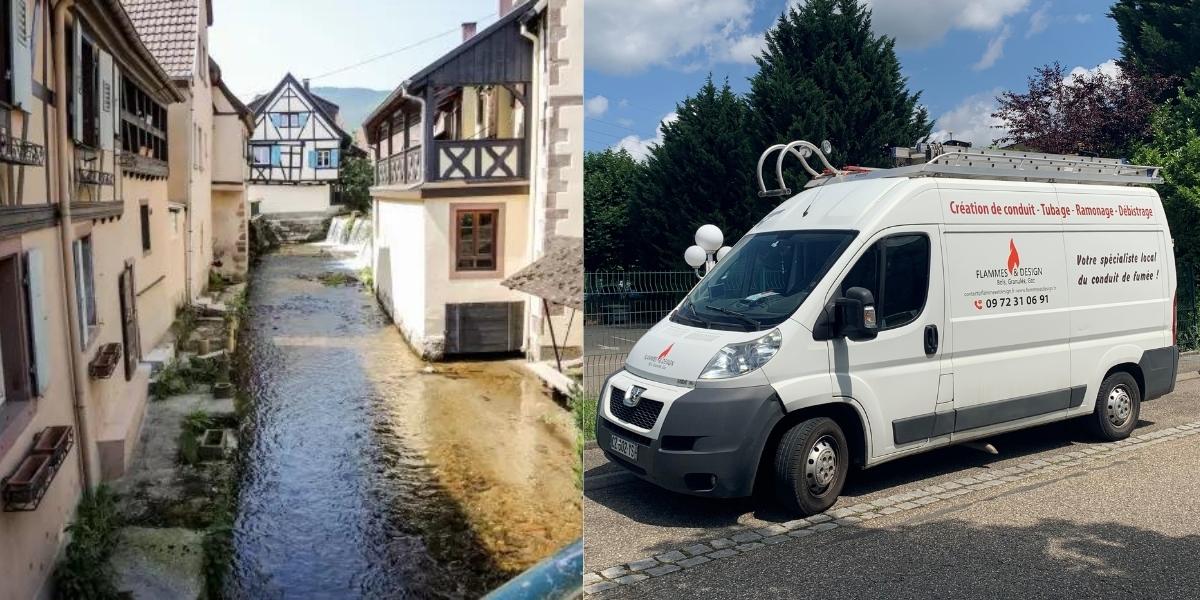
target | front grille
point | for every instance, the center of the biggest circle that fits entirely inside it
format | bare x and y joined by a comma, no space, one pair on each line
644,415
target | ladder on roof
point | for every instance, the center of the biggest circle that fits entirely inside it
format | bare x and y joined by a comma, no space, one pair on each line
938,160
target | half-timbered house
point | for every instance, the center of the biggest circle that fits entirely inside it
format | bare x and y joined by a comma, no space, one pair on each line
78,256
295,150
457,203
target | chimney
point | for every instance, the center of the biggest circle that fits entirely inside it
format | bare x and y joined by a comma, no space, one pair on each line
468,30
306,84
506,7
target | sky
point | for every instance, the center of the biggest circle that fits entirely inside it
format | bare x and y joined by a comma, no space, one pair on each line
643,56
257,41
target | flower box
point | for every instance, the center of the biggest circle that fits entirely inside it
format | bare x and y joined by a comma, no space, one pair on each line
25,487
105,362
54,442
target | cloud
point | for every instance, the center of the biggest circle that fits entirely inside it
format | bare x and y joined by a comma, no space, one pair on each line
628,36
1039,21
995,49
596,106
1108,67
638,146
924,23
972,120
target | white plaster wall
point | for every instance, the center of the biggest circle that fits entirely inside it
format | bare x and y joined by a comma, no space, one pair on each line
158,274
400,271
289,198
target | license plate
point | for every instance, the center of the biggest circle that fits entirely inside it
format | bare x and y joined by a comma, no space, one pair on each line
625,448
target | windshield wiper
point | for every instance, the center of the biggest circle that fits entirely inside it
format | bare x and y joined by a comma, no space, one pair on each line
734,313
696,316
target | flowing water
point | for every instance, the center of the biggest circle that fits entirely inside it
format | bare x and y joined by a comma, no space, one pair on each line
365,476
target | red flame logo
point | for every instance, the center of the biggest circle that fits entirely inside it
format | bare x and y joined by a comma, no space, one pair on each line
666,352
1014,259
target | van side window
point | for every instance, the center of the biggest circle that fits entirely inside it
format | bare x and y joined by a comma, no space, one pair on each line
896,271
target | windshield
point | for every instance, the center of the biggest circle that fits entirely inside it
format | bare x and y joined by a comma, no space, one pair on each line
763,280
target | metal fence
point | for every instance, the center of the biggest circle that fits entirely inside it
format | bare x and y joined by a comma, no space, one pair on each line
618,307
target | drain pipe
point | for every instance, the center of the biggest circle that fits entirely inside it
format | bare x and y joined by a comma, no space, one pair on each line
78,371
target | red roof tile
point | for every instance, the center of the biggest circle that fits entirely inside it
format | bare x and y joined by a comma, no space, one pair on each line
169,29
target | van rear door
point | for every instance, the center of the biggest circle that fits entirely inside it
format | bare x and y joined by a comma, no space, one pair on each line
895,377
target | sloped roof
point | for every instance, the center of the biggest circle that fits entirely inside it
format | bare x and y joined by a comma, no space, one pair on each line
325,108
557,276
169,29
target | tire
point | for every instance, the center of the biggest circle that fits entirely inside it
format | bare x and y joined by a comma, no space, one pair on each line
811,463
1118,404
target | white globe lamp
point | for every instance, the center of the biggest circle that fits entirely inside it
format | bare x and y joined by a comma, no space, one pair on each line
709,238
722,252
695,256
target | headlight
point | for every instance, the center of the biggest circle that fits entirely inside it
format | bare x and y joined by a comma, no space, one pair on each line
739,359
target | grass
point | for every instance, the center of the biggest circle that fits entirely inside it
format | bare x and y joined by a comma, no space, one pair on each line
216,283
584,410
337,278
180,377
85,570
367,277
184,325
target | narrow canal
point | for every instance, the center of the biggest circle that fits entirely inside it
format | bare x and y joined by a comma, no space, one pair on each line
366,476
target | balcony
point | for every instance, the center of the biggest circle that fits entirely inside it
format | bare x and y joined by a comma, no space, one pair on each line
144,166
402,168
93,177
476,160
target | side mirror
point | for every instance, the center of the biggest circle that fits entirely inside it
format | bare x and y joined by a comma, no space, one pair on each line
855,317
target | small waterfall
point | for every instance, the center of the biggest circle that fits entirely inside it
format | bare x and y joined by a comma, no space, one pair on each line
337,228
352,233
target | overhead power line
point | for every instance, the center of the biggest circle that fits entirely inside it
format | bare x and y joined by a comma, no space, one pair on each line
420,42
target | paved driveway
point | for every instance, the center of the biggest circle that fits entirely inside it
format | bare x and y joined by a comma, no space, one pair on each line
1054,514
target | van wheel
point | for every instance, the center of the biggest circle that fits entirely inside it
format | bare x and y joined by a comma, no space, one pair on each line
1117,407
811,462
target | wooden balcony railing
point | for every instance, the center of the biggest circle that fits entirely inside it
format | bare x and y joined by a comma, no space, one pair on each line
144,166
93,177
402,168
480,159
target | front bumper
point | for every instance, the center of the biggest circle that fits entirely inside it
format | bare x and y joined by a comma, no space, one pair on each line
707,441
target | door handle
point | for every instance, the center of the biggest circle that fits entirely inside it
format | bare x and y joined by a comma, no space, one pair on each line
931,340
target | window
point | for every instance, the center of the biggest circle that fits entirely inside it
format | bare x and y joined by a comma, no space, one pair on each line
294,120
85,289
323,159
475,239
763,280
24,363
262,155
143,123
896,271
144,213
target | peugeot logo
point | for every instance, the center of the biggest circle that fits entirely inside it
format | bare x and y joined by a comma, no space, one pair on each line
632,396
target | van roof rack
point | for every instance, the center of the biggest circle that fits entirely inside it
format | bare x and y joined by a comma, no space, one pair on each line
942,160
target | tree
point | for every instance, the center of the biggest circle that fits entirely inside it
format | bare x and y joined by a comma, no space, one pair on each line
355,181
825,76
702,172
1158,38
609,179
1175,146
1088,113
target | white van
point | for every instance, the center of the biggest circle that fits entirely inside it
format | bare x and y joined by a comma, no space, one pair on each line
884,313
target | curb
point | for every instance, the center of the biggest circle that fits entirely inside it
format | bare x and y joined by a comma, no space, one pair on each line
750,539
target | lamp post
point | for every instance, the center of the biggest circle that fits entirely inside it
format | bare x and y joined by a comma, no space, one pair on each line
707,251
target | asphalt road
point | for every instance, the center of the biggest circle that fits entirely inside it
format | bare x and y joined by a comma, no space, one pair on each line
1125,527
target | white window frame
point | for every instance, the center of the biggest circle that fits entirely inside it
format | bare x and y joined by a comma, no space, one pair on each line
324,159
85,289
266,150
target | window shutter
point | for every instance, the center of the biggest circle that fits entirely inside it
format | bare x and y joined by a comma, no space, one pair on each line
276,120
22,56
105,101
81,293
38,320
77,83
312,159
333,157
276,156
117,84
303,119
